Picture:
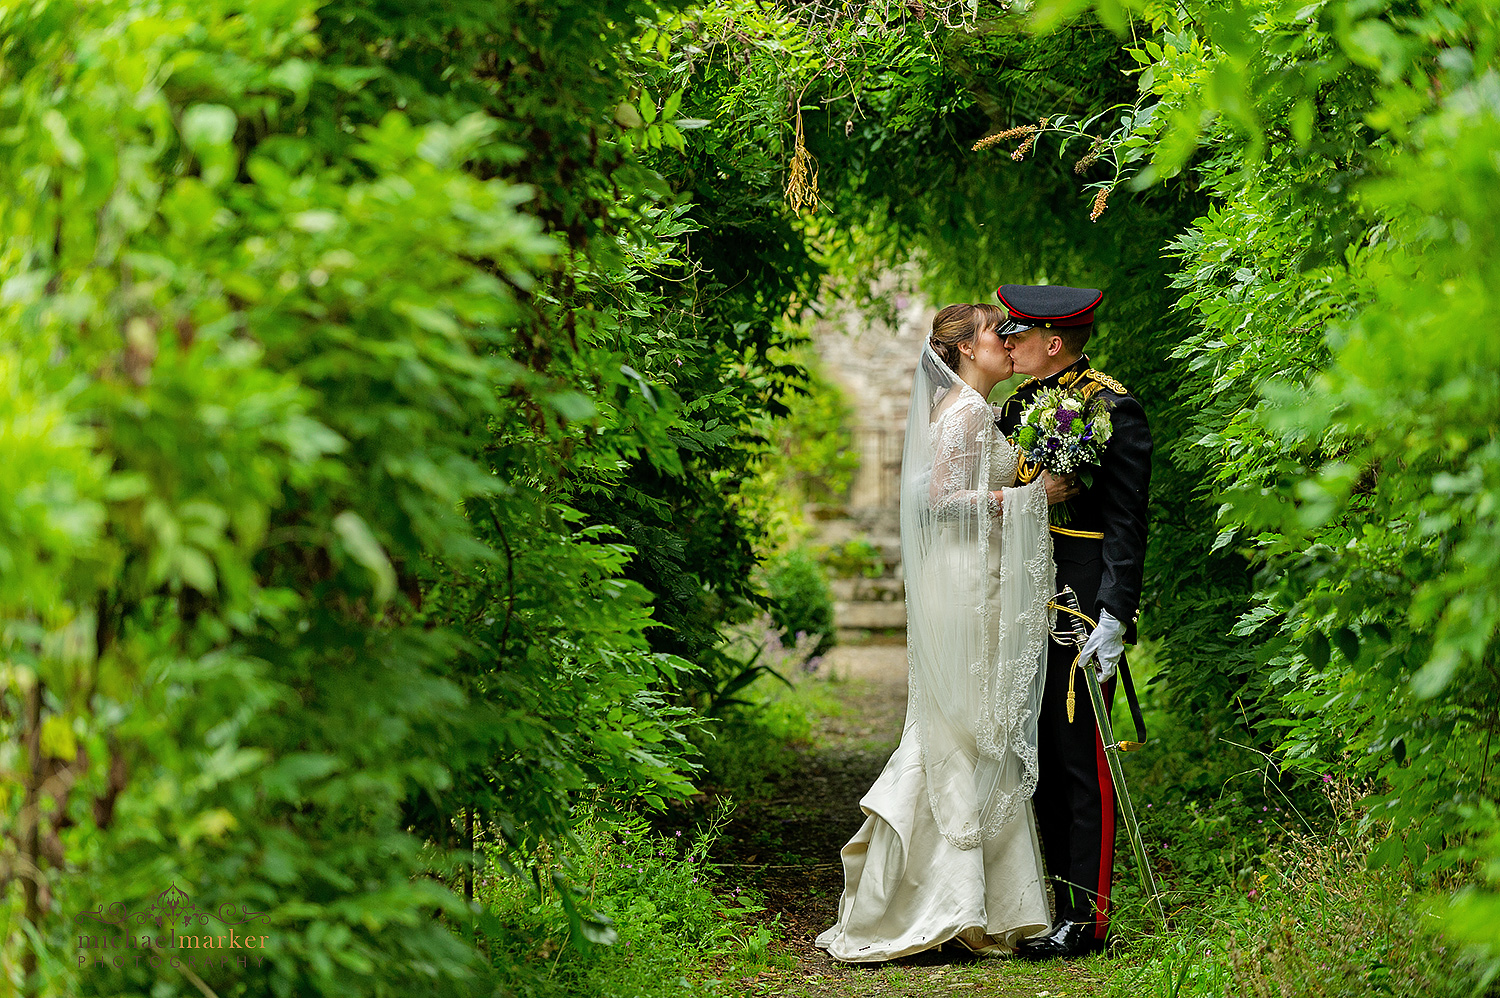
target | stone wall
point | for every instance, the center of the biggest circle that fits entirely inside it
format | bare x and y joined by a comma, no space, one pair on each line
872,361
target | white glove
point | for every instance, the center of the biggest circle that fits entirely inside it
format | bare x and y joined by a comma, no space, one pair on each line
1107,643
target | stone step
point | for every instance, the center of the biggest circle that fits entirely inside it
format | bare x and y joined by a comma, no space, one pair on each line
862,590
874,616
889,548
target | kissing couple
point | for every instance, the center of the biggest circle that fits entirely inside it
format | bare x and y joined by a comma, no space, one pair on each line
994,793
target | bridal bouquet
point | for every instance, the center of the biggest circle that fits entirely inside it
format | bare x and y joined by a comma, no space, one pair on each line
1062,433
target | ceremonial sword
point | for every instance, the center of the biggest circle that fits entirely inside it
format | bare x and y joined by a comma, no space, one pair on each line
1067,602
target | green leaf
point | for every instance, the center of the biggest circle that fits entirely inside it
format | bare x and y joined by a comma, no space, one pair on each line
68,147
366,550
1371,43
1434,676
196,569
295,75
208,128
1347,643
57,739
1302,121
1316,649
317,220
641,385
599,930
1388,853
627,116
1048,15
572,406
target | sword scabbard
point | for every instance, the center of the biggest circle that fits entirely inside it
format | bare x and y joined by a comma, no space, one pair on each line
1067,601
1112,749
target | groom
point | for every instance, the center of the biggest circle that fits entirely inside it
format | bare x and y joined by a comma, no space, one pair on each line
1100,554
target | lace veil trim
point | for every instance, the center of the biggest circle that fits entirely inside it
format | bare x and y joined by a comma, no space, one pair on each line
975,661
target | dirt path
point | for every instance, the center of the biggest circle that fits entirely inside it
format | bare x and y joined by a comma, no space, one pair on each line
787,847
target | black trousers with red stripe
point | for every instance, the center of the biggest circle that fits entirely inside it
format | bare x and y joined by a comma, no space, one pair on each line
1075,799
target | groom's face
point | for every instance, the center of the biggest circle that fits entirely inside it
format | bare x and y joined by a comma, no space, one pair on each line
1034,350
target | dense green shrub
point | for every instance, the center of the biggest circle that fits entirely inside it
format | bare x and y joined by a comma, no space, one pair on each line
1348,429
262,361
856,557
801,602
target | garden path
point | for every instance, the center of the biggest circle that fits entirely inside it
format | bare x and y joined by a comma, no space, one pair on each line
786,845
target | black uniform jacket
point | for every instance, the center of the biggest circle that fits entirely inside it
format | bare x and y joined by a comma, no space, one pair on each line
1113,508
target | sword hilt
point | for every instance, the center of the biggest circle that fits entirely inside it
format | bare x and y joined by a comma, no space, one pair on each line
1067,601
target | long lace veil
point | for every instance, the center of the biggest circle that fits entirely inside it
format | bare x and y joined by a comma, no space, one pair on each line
976,592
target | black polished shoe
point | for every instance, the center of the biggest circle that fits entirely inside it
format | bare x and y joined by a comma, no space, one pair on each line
1066,939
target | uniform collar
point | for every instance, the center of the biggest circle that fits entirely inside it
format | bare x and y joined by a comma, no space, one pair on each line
1067,375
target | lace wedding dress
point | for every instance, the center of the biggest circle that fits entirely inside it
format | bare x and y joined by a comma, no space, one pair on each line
948,849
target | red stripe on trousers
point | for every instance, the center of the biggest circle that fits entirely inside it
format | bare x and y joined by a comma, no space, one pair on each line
1106,840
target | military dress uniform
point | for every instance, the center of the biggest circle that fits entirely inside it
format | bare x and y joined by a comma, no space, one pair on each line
1100,553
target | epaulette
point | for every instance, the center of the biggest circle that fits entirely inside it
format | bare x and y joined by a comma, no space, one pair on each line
1026,384
1105,381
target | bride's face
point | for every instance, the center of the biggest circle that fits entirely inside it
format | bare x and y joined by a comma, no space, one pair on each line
990,355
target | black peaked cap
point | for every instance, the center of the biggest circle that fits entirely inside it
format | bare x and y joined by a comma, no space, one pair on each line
1049,304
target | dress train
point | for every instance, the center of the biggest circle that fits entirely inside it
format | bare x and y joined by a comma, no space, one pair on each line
908,889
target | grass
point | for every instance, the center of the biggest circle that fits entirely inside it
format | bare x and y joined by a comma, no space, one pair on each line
673,927
1314,922
665,927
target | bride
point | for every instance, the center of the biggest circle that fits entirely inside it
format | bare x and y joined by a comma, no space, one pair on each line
948,850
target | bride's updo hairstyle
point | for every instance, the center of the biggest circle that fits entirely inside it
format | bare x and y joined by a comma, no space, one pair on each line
959,324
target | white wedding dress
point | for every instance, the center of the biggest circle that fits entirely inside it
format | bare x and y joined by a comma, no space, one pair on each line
948,850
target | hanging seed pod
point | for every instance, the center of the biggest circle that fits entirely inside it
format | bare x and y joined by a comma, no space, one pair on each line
1091,157
998,137
1024,147
1100,202
802,174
